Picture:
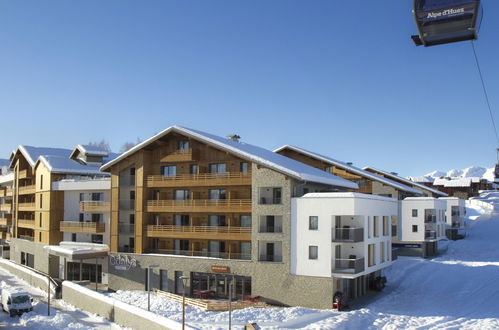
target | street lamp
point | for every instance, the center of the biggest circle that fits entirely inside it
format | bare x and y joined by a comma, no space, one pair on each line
149,286
48,295
231,285
184,283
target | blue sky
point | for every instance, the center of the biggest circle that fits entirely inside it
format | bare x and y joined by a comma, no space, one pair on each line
339,78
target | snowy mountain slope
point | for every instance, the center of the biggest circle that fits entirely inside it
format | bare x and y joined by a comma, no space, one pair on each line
469,172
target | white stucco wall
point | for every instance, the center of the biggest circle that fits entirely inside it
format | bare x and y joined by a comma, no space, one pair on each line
454,201
327,206
408,220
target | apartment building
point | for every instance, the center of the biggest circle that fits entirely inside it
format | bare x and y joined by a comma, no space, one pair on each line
346,234
6,180
369,183
422,226
425,190
189,203
462,187
58,194
454,217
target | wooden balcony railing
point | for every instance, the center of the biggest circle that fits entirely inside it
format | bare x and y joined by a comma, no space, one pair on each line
95,206
223,233
222,255
5,221
199,205
8,192
2,192
26,223
23,174
26,207
27,190
6,207
202,179
82,227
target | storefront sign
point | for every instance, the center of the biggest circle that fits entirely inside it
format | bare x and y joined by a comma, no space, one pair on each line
122,262
220,269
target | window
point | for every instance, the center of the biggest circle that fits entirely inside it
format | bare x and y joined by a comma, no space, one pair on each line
217,220
97,239
96,217
131,242
132,194
181,195
382,251
194,169
39,236
376,226
313,252
385,226
218,168
372,255
313,222
40,219
181,219
73,237
414,228
132,171
155,195
183,145
97,196
41,201
328,169
245,220
82,197
270,195
217,194
132,219
244,167
41,182
82,217
169,170
414,213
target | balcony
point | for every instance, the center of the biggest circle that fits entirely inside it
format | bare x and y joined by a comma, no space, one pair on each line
2,192
200,205
180,155
349,266
27,190
7,207
217,233
270,258
221,255
23,174
5,221
30,224
197,180
348,235
430,219
83,227
430,234
8,192
27,237
26,207
95,206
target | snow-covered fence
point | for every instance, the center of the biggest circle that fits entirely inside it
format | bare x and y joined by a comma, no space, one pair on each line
116,311
489,207
30,276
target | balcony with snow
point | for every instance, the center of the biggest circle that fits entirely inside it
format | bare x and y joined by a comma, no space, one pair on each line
341,235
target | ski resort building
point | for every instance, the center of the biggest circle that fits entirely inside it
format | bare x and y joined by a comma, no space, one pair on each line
369,183
6,180
189,203
454,216
346,233
462,187
421,227
58,194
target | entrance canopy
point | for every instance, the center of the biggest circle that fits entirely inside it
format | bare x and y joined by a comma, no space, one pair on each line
76,251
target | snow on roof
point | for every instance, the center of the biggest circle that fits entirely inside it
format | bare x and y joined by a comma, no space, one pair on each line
250,152
351,169
92,150
7,178
421,179
456,182
347,195
33,153
76,250
396,177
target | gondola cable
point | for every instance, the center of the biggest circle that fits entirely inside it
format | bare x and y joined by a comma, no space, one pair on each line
485,93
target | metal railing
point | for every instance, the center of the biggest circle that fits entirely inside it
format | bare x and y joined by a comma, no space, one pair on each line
430,219
209,254
430,234
346,234
350,265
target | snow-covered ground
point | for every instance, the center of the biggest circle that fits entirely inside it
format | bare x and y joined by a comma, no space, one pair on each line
63,316
456,290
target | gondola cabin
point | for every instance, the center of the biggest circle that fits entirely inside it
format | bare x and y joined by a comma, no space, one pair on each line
446,21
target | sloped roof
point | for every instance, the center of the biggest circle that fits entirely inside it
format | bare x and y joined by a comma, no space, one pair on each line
421,179
455,182
351,169
249,152
57,160
396,177
89,150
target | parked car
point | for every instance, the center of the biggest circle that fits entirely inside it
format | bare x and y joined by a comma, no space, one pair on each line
16,302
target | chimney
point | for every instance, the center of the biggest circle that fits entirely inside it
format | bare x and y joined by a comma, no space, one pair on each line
394,173
349,163
233,137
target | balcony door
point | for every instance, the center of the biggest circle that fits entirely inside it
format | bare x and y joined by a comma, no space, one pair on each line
270,251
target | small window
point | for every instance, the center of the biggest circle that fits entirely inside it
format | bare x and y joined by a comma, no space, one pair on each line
132,194
82,217
414,212
73,237
132,219
313,222
194,169
313,251
414,228
82,197
39,236
328,169
41,182
132,170
97,239
183,145
40,219
244,167
41,201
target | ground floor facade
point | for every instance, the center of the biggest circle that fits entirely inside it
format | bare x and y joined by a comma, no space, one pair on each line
416,249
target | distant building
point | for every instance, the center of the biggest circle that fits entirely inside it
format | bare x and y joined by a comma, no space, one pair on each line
462,187
454,216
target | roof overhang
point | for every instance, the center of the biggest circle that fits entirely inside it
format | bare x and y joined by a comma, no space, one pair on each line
74,251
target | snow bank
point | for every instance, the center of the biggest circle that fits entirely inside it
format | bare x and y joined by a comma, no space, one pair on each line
32,277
